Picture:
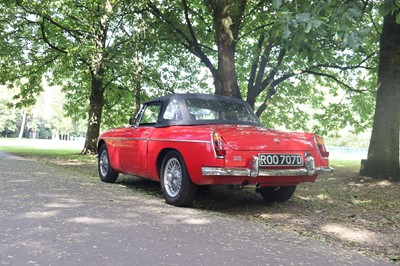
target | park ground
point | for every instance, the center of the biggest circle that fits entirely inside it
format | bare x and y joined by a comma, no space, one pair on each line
341,208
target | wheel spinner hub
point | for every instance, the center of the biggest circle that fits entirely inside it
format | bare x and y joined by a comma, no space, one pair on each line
103,163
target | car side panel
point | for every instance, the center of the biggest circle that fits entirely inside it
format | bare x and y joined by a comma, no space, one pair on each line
133,151
193,145
113,141
195,155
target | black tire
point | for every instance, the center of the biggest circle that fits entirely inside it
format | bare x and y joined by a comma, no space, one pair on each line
280,194
176,185
106,173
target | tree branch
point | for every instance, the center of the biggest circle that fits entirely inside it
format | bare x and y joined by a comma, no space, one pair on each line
194,42
260,4
272,73
36,70
237,20
159,84
188,22
208,28
255,29
264,60
337,80
343,68
46,40
272,84
188,42
69,31
254,66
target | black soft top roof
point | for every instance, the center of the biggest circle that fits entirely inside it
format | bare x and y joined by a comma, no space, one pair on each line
180,98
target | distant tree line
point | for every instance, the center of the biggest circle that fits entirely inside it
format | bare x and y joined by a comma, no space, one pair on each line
43,120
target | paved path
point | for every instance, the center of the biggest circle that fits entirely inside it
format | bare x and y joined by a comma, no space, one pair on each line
52,217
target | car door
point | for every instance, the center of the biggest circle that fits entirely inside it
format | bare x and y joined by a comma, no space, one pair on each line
134,151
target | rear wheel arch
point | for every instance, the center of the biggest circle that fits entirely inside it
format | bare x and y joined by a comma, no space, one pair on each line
176,184
160,159
192,170
101,143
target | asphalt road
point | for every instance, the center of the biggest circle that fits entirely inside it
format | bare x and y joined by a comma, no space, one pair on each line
52,217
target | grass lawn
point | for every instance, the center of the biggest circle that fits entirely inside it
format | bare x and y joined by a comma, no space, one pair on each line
42,147
342,208
41,152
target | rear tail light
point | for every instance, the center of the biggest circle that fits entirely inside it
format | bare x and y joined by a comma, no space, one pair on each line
217,144
321,146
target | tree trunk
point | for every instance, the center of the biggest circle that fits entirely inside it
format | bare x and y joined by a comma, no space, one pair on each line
383,153
138,88
96,104
139,72
22,128
97,69
55,134
227,20
228,83
138,103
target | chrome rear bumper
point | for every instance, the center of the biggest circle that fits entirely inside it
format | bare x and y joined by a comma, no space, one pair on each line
309,169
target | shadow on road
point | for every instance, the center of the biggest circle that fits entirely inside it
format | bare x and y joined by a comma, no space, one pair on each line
220,198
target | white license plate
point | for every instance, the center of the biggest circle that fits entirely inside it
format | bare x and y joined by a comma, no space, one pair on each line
280,160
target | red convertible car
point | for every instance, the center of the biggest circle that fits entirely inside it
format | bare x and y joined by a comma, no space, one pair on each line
189,140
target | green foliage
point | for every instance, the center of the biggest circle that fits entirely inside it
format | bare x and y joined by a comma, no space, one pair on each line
326,79
8,117
69,43
389,6
316,59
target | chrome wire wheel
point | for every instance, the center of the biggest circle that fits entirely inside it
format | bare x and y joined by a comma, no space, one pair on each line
103,163
176,185
172,177
106,172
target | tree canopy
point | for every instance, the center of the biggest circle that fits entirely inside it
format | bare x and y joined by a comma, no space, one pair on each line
97,50
283,57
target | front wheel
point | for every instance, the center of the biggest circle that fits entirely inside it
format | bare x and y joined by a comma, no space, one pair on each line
106,173
176,185
280,194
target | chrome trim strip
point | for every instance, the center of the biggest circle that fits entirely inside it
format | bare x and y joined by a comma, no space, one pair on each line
220,171
157,139
309,170
179,140
119,138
